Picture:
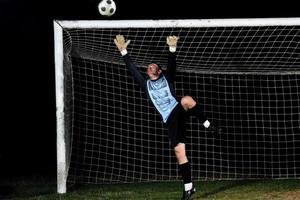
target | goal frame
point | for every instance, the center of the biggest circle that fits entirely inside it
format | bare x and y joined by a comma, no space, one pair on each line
59,25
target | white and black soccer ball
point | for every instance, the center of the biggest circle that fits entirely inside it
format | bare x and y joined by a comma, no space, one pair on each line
107,7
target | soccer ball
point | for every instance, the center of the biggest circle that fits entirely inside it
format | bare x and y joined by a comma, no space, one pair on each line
107,7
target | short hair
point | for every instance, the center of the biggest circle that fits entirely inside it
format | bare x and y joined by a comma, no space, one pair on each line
159,67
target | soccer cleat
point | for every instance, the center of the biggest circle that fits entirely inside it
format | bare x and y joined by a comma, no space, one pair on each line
187,194
214,128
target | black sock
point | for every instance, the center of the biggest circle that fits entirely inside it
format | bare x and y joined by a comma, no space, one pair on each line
198,112
185,171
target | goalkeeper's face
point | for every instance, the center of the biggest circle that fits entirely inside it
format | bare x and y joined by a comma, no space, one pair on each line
153,71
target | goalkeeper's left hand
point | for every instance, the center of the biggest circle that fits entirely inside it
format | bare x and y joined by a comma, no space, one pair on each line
172,41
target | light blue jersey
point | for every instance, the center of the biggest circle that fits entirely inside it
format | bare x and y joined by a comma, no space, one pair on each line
161,96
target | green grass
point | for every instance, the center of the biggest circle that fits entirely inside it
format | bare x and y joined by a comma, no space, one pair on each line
45,189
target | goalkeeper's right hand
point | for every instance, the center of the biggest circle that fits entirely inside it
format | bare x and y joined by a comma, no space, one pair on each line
120,42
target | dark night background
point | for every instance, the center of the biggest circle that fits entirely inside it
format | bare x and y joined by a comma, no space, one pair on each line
28,136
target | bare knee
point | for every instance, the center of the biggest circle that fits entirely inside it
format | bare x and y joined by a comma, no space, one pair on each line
180,153
187,102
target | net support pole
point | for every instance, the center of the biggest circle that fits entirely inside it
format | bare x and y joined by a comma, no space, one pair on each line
59,86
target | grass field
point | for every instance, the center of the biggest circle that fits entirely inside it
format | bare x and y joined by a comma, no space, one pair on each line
44,189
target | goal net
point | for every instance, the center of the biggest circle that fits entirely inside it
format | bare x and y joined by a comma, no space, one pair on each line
245,72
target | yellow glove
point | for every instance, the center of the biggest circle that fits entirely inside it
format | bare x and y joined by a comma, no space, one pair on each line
120,42
172,41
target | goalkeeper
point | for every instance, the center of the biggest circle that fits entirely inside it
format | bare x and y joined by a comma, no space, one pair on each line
159,88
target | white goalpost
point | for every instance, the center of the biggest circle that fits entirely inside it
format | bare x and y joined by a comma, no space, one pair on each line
59,80
245,72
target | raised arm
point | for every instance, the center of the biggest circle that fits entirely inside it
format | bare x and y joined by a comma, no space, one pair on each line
122,47
171,68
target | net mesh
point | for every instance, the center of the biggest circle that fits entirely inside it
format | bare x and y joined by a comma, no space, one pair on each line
247,78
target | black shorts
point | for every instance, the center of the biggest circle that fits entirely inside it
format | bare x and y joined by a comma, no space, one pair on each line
176,125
